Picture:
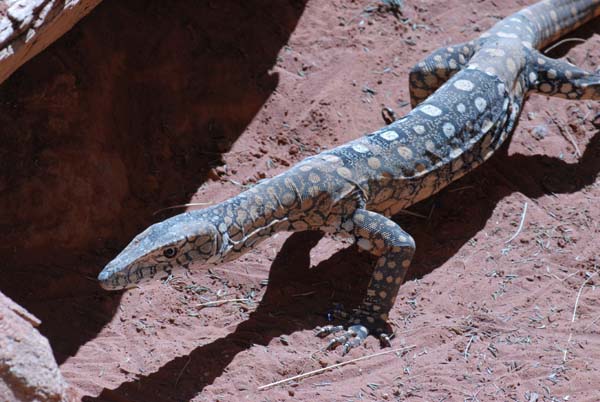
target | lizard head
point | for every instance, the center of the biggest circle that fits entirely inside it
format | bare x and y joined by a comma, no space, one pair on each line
164,247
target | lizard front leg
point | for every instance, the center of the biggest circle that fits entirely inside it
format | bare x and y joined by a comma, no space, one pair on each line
394,249
430,73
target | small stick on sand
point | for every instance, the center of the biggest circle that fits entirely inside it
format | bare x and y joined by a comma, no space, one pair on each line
466,353
211,303
579,295
182,370
520,224
321,370
557,44
575,313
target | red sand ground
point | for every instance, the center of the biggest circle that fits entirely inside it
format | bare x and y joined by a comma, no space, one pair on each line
146,104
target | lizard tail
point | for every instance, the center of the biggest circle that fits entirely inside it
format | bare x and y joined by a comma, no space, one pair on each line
551,19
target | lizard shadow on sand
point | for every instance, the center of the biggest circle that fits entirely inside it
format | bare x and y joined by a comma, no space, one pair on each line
125,114
343,277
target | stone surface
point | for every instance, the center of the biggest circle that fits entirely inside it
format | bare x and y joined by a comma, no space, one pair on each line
28,26
28,371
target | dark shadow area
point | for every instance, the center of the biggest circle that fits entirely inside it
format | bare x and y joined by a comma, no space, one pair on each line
562,46
438,239
124,115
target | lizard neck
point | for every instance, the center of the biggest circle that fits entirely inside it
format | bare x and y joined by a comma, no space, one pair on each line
252,216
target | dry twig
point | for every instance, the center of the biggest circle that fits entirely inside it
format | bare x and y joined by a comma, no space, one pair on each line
520,225
575,314
322,370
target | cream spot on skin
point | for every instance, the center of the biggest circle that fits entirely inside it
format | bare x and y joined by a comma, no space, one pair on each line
490,71
383,294
568,74
486,125
552,73
364,244
314,178
305,168
565,88
374,163
419,129
455,152
553,15
360,148
532,77
431,80
344,172
501,89
546,88
430,145
437,58
527,44
508,35
330,158
541,61
287,199
480,104
378,275
398,280
405,152
457,164
431,110
461,59
449,129
406,263
452,64
389,279
510,64
464,85
389,135
391,264
496,52
461,107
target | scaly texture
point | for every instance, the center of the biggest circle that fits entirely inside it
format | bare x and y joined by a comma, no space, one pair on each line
467,99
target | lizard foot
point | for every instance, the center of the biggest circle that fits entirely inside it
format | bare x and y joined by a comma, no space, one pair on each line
354,333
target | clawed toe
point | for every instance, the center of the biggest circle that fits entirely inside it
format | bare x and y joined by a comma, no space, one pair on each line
386,340
350,338
328,330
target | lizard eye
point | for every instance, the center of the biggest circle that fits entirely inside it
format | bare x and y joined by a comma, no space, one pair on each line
170,252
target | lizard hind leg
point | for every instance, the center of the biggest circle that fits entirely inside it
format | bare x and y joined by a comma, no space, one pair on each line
394,249
559,78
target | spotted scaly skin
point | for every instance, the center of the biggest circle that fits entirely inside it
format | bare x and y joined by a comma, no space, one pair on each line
467,99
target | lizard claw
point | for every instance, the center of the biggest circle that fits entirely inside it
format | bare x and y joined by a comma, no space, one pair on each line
356,330
350,338
328,330
386,340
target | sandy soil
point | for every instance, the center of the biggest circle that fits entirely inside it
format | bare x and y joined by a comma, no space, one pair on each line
144,105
